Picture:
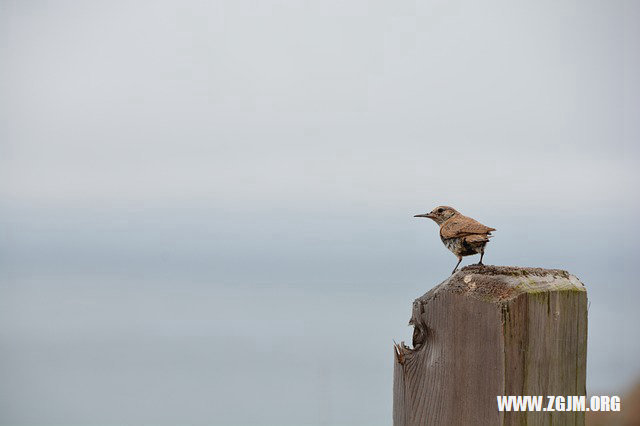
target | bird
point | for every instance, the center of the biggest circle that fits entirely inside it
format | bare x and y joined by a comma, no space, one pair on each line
462,235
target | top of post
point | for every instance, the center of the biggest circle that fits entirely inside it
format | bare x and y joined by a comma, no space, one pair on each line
501,283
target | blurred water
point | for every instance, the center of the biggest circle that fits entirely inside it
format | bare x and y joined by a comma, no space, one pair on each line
84,350
99,330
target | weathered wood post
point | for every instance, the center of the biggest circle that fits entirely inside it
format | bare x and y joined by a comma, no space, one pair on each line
489,331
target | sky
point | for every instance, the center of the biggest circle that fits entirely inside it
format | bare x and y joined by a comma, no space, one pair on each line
209,203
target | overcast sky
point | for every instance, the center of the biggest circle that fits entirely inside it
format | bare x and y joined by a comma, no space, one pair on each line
254,144
308,103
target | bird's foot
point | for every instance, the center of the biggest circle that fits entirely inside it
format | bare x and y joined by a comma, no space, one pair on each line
480,263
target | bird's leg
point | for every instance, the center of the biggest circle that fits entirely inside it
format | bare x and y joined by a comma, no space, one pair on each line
481,256
454,269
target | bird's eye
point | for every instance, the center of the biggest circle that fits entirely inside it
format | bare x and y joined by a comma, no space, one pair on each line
440,210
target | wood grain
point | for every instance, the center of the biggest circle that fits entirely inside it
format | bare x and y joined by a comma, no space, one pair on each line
489,331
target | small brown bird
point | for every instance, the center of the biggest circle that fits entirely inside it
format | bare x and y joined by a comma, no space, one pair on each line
462,235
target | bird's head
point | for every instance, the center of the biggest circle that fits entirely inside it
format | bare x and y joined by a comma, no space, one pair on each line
440,214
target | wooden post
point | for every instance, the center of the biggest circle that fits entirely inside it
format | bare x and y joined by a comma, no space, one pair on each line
489,331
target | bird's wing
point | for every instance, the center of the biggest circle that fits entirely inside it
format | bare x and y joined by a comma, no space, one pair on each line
476,238
460,226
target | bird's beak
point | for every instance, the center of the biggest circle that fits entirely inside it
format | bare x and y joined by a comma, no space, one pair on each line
429,215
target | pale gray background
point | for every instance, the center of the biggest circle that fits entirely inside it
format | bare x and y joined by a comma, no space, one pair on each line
205,213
